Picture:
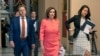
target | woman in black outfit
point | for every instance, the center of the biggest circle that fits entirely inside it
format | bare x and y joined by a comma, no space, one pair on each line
81,44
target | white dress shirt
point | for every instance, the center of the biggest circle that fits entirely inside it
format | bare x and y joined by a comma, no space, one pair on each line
35,25
25,26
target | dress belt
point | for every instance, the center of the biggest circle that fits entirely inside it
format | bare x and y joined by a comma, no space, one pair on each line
23,38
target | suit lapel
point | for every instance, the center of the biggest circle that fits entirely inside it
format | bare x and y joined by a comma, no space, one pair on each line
79,20
18,22
81,26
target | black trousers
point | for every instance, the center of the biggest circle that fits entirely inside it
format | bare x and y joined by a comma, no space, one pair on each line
3,40
37,44
36,49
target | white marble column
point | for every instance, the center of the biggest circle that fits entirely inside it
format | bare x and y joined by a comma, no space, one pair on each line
0,30
0,23
11,7
28,7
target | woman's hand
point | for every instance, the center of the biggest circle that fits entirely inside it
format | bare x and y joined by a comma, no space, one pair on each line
90,30
71,29
42,48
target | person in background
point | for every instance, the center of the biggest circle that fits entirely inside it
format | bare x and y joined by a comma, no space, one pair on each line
4,30
50,33
16,14
81,42
36,27
21,34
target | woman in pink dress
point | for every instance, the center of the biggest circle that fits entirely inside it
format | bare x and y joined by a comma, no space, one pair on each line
50,33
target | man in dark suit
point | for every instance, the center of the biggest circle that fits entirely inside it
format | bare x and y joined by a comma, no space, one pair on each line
21,33
36,26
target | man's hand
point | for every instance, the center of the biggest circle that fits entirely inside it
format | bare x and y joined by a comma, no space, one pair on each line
33,46
12,44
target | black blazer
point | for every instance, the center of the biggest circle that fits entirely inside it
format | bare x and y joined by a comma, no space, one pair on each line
37,25
76,19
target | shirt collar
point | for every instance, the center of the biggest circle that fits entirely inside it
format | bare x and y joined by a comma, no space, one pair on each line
24,17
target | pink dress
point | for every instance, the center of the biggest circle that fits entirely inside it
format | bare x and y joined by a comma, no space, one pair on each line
50,35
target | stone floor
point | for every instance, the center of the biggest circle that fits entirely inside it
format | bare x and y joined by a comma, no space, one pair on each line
9,52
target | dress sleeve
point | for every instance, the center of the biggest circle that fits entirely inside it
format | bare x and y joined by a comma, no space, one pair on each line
67,23
42,27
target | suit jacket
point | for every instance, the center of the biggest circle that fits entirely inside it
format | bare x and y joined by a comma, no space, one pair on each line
37,43
14,33
76,19
37,24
